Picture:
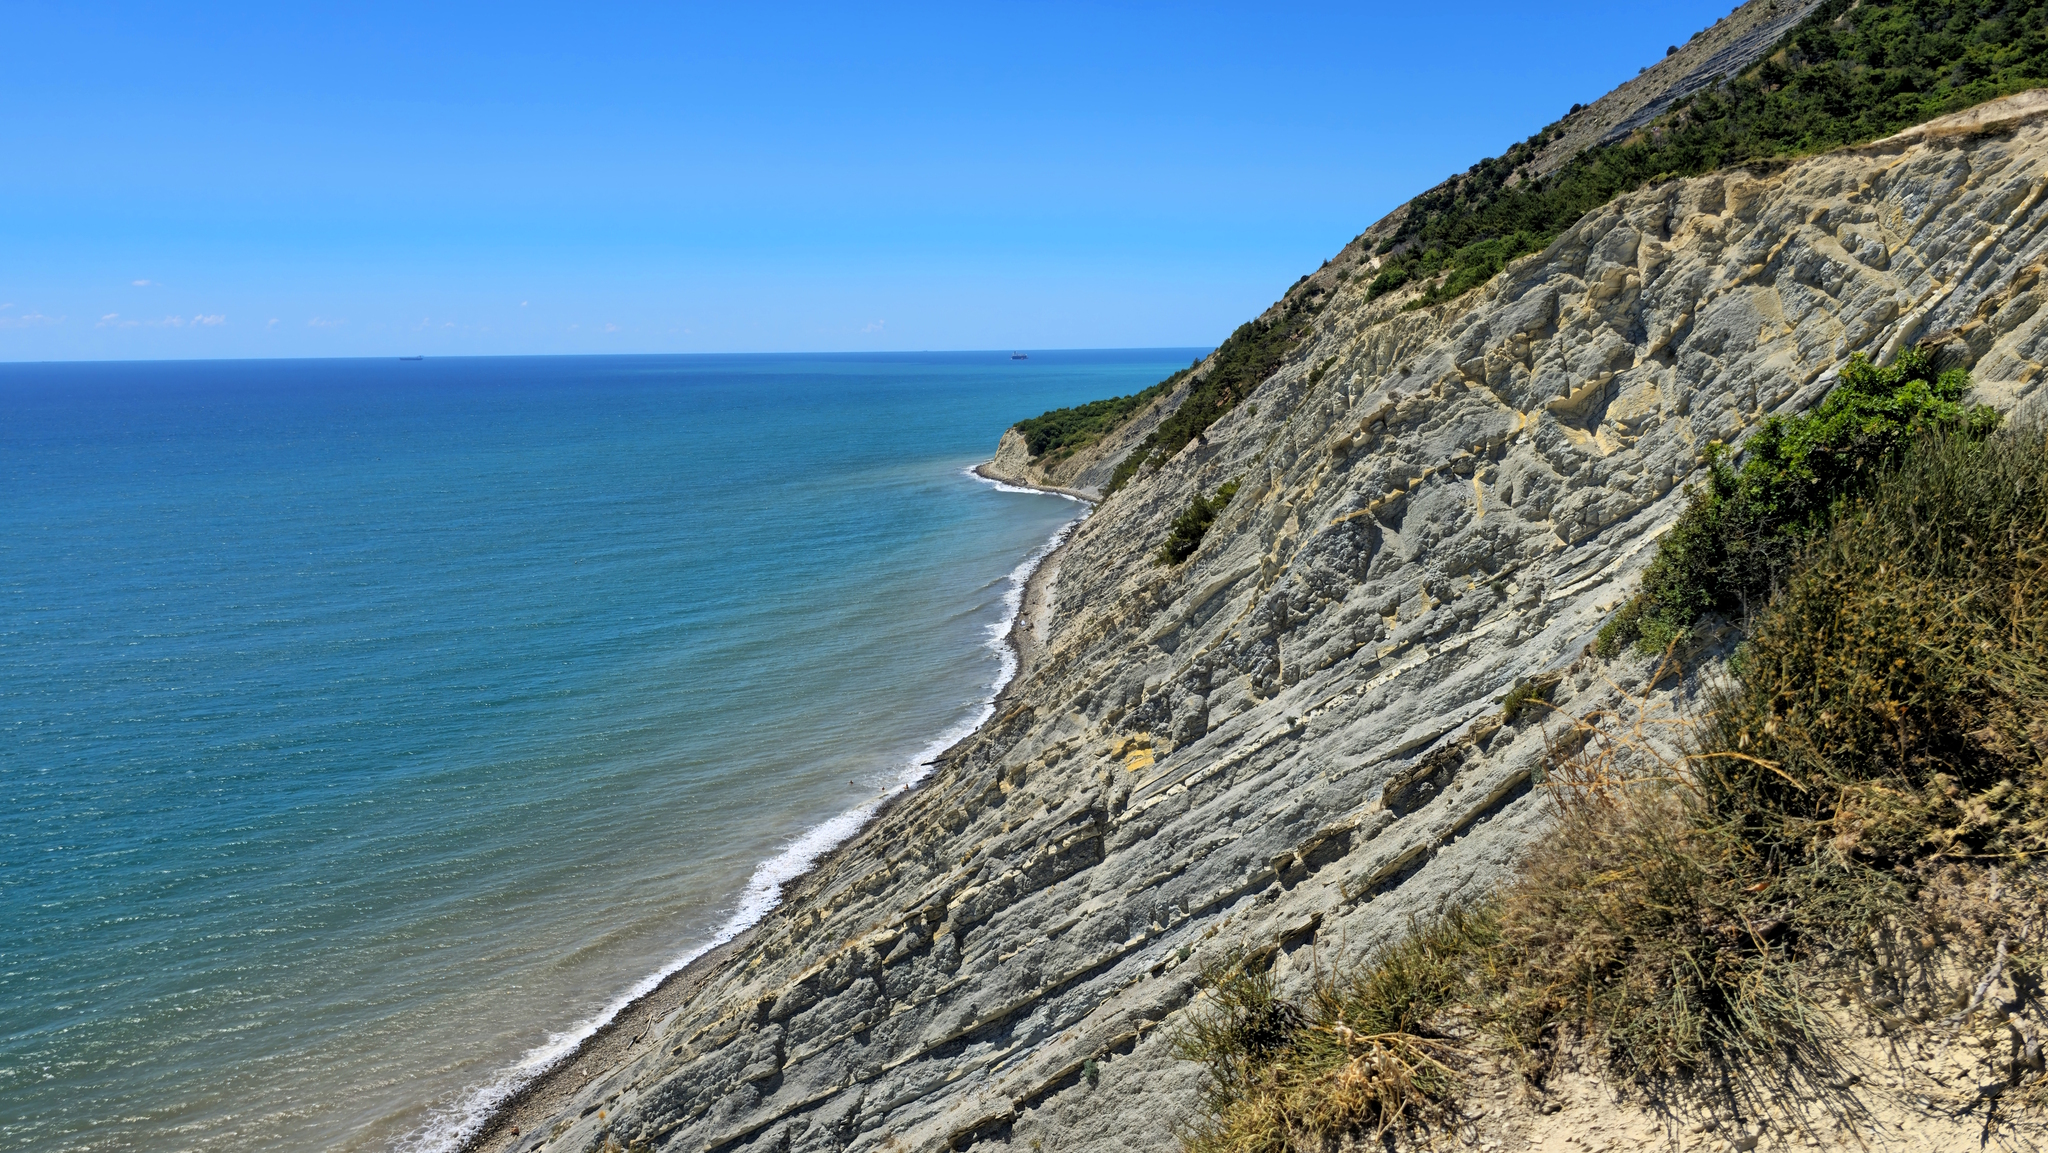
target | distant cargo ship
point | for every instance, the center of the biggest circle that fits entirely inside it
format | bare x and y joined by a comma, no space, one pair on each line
1018,356
412,358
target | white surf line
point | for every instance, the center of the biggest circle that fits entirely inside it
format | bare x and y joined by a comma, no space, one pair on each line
1013,604
1006,486
449,1128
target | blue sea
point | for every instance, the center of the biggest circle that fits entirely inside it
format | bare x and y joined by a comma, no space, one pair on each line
370,730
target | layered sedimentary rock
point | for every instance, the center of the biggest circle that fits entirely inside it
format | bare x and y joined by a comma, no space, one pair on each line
1293,742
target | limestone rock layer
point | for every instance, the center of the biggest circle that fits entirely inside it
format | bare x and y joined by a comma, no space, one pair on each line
1292,742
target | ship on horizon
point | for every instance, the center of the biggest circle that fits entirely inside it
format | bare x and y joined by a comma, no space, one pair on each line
1018,356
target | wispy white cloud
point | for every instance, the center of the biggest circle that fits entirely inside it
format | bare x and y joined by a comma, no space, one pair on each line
30,320
324,322
611,328
272,324
203,320
145,284
875,327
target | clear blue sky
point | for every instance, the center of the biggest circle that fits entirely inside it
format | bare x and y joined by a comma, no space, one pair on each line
225,180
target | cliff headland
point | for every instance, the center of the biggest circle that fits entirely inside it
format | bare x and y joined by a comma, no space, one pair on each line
1427,478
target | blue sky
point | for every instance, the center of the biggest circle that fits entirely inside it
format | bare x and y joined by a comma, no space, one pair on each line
233,180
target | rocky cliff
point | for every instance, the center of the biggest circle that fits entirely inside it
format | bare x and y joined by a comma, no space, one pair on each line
1293,742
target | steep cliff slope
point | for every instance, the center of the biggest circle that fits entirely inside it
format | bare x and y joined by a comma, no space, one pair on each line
1725,48
1293,741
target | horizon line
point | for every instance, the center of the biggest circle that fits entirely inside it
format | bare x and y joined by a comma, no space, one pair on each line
1204,348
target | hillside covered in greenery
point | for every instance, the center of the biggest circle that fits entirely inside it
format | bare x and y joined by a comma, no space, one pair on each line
1063,431
1240,364
1855,70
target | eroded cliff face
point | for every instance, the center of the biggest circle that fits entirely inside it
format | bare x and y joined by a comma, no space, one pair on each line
1293,742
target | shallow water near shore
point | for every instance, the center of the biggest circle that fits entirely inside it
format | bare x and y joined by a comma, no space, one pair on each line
372,728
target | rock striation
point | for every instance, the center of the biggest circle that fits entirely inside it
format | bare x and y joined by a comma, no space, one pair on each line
1293,743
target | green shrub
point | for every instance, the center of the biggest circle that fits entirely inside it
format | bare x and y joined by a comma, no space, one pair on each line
1743,526
1886,721
1192,525
1893,699
1853,70
1526,693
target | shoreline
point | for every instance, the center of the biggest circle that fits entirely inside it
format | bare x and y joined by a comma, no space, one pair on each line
612,1044
1084,496
545,1093
1022,636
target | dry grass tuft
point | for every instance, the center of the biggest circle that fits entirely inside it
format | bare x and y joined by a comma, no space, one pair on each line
1861,817
1356,1057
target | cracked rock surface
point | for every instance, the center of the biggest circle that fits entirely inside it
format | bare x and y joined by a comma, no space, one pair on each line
1292,742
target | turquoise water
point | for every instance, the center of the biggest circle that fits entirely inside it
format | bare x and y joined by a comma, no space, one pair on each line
368,729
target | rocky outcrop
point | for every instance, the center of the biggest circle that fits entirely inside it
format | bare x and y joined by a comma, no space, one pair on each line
1012,461
1293,743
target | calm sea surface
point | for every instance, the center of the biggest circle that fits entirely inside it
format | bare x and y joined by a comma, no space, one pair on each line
368,729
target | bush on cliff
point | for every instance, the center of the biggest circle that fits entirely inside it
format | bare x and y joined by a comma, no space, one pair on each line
1357,1057
1744,524
1192,525
1853,70
1240,364
1872,786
